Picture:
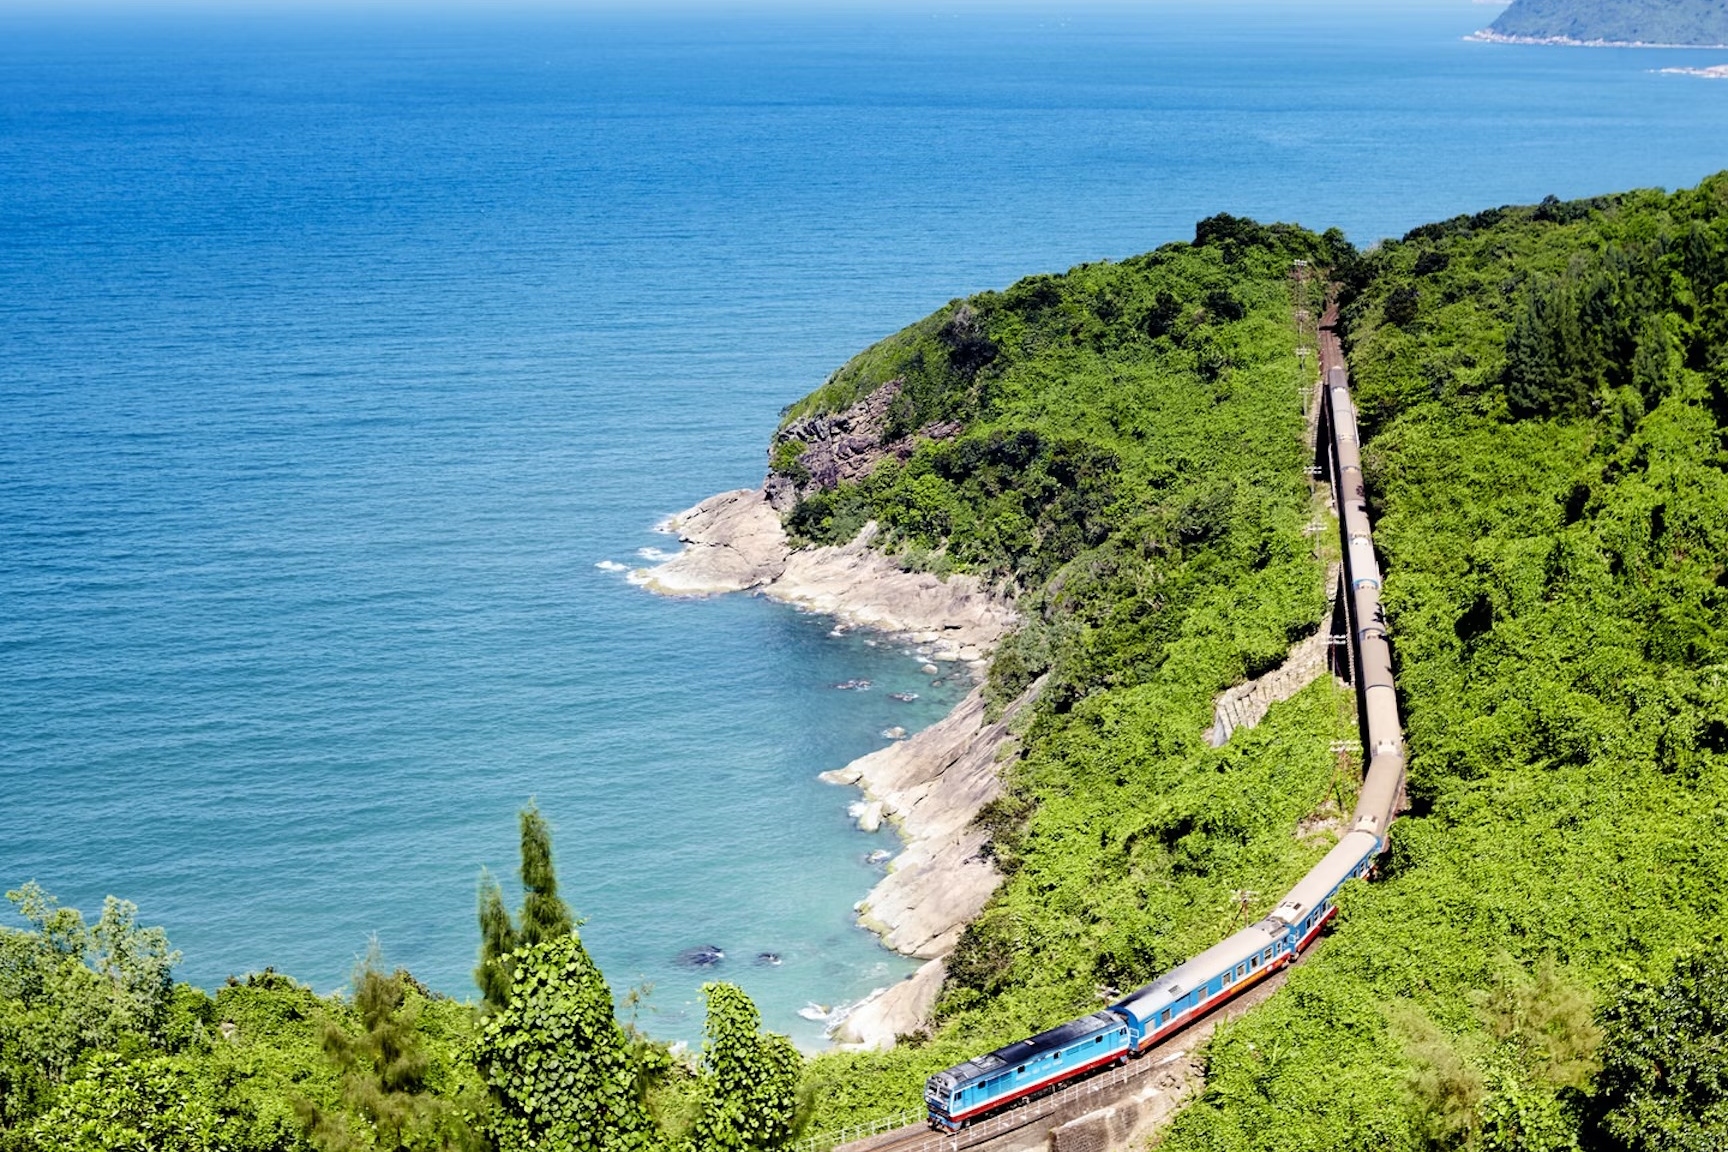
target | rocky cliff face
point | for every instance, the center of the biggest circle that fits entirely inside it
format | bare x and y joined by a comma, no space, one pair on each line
833,448
932,786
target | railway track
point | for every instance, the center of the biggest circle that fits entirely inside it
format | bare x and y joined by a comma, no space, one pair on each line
1169,1063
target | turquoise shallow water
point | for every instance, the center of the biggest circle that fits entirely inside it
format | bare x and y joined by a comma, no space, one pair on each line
335,354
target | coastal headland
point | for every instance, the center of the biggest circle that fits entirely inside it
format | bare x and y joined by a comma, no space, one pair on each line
1611,24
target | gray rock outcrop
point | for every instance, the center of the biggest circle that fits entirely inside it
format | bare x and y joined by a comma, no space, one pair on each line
894,1012
933,786
733,542
838,447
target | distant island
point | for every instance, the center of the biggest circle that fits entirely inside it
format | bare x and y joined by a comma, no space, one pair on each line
1647,23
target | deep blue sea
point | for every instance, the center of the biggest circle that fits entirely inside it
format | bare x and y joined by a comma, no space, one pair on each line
337,351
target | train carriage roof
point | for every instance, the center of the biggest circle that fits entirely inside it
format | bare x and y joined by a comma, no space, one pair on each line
1185,977
1325,877
1021,1051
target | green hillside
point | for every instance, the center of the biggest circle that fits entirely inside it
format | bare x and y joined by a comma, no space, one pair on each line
1620,21
1545,402
1133,462
1545,396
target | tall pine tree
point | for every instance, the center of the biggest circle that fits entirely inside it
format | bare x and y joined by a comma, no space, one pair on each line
544,915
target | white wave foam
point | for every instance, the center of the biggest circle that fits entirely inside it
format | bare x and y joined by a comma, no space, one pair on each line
612,566
837,1017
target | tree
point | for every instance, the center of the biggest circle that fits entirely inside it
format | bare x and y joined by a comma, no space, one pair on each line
384,1075
1664,1080
67,987
750,1079
555,1060
133,967
544,915
147,1106
497,941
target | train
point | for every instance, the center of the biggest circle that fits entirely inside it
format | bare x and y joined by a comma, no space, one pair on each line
987,1084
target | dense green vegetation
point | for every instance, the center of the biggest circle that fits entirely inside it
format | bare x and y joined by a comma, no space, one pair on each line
100,1050
1545,406
1622,21
1544,393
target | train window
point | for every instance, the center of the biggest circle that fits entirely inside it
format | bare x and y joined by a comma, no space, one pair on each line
1241,970
1098,1040
1165,1018
1022,1068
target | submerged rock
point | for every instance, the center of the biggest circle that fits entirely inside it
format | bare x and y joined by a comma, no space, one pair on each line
903,697
701,956
880,856
894,733
768,959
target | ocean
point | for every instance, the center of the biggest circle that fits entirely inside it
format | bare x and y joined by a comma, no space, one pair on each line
344,359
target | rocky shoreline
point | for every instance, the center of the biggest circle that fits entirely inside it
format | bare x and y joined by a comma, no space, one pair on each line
1489,36
930,785
733,542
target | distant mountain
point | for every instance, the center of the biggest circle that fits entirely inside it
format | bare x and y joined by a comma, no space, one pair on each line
1692,22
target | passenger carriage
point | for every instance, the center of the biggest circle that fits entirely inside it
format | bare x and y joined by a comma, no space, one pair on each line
1189,990
1313,901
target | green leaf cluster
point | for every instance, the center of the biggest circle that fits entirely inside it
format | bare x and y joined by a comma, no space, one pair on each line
554,1058
749,1083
